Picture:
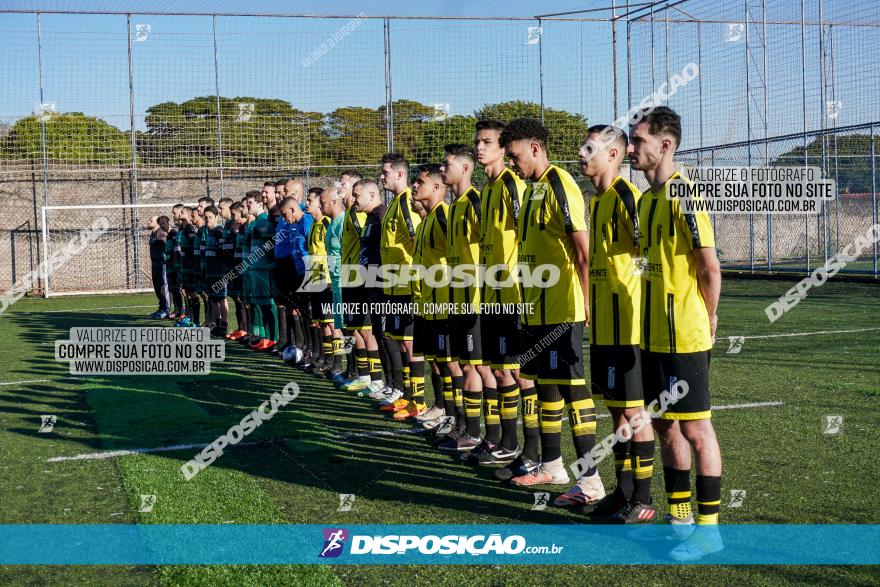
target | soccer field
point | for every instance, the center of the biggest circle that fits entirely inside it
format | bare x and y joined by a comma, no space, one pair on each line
771,400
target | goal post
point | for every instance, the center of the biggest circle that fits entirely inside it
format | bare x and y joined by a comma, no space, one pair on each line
97,248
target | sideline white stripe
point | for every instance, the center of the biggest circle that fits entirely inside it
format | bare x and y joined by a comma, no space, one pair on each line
137,451
24,382
88,309
790,334
420,430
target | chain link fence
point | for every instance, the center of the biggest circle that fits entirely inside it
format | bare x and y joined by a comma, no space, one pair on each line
113,109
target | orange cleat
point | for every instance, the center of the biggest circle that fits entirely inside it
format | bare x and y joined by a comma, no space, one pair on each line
236,335
411,409
396,406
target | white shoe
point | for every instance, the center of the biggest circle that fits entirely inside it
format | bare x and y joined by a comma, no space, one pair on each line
586,490
379,394
679,529
374,387
441,426
552,473
433,413
702,541
395,395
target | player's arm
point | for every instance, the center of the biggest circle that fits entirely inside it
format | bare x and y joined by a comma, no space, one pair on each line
709,280
581,243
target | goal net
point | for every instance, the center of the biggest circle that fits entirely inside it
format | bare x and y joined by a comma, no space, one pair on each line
97,248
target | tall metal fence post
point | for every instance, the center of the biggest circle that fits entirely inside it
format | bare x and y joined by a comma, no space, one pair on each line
389,96
804,100
765,46
874,193
541,67
217,94
749,133
135,236
44,158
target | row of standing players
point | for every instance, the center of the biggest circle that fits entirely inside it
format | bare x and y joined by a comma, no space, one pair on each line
639,271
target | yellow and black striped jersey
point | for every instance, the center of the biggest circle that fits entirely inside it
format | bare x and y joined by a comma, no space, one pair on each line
500,204
553,209
351,235
317,261
615,285
430,251
463,245
674,315
399,237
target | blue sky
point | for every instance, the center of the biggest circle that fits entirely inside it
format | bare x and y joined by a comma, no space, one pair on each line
463,63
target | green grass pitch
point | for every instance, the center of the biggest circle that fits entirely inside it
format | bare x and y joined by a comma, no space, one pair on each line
791,472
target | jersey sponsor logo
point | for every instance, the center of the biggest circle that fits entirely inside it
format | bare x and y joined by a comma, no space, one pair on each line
441,342
611,377
470,342
554,359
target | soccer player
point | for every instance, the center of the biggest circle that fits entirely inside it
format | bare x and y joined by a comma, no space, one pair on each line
320,296
430,330
368,322
299,226
358,371
232,240
615,298
188,260
296,189
201,269
159,226
501,200
463,244
276,277
681,285
553,232
261,265
397,243
331,207
213,259
172,264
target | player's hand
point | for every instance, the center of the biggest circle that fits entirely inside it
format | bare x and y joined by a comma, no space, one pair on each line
587,314
713,325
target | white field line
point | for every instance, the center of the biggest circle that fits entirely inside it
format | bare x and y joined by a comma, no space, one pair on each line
87,309
790,334
24,382
136,451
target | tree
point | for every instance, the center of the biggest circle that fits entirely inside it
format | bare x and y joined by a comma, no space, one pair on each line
853,161
71,137
567,131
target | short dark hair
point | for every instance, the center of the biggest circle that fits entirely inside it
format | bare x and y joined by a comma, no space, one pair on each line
315,190
286,203
397,161
619,135
431,170
663,119
269,184
254,194
177,206
529,129
352,173
225,201
282,181
162,219
236,206
461,150
210,201
491,124
212,209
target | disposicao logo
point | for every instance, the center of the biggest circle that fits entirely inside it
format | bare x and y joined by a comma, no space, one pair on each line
334,542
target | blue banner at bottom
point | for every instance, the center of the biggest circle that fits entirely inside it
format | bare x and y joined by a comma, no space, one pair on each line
118,544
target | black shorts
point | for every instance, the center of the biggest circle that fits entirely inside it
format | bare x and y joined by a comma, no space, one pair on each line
661,371
501,340
285,281
319,301
465,340
616,375
554,354
399,322
437,346
363,304
420,336
221,291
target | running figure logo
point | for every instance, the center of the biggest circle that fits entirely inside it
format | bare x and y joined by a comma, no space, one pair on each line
334,541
